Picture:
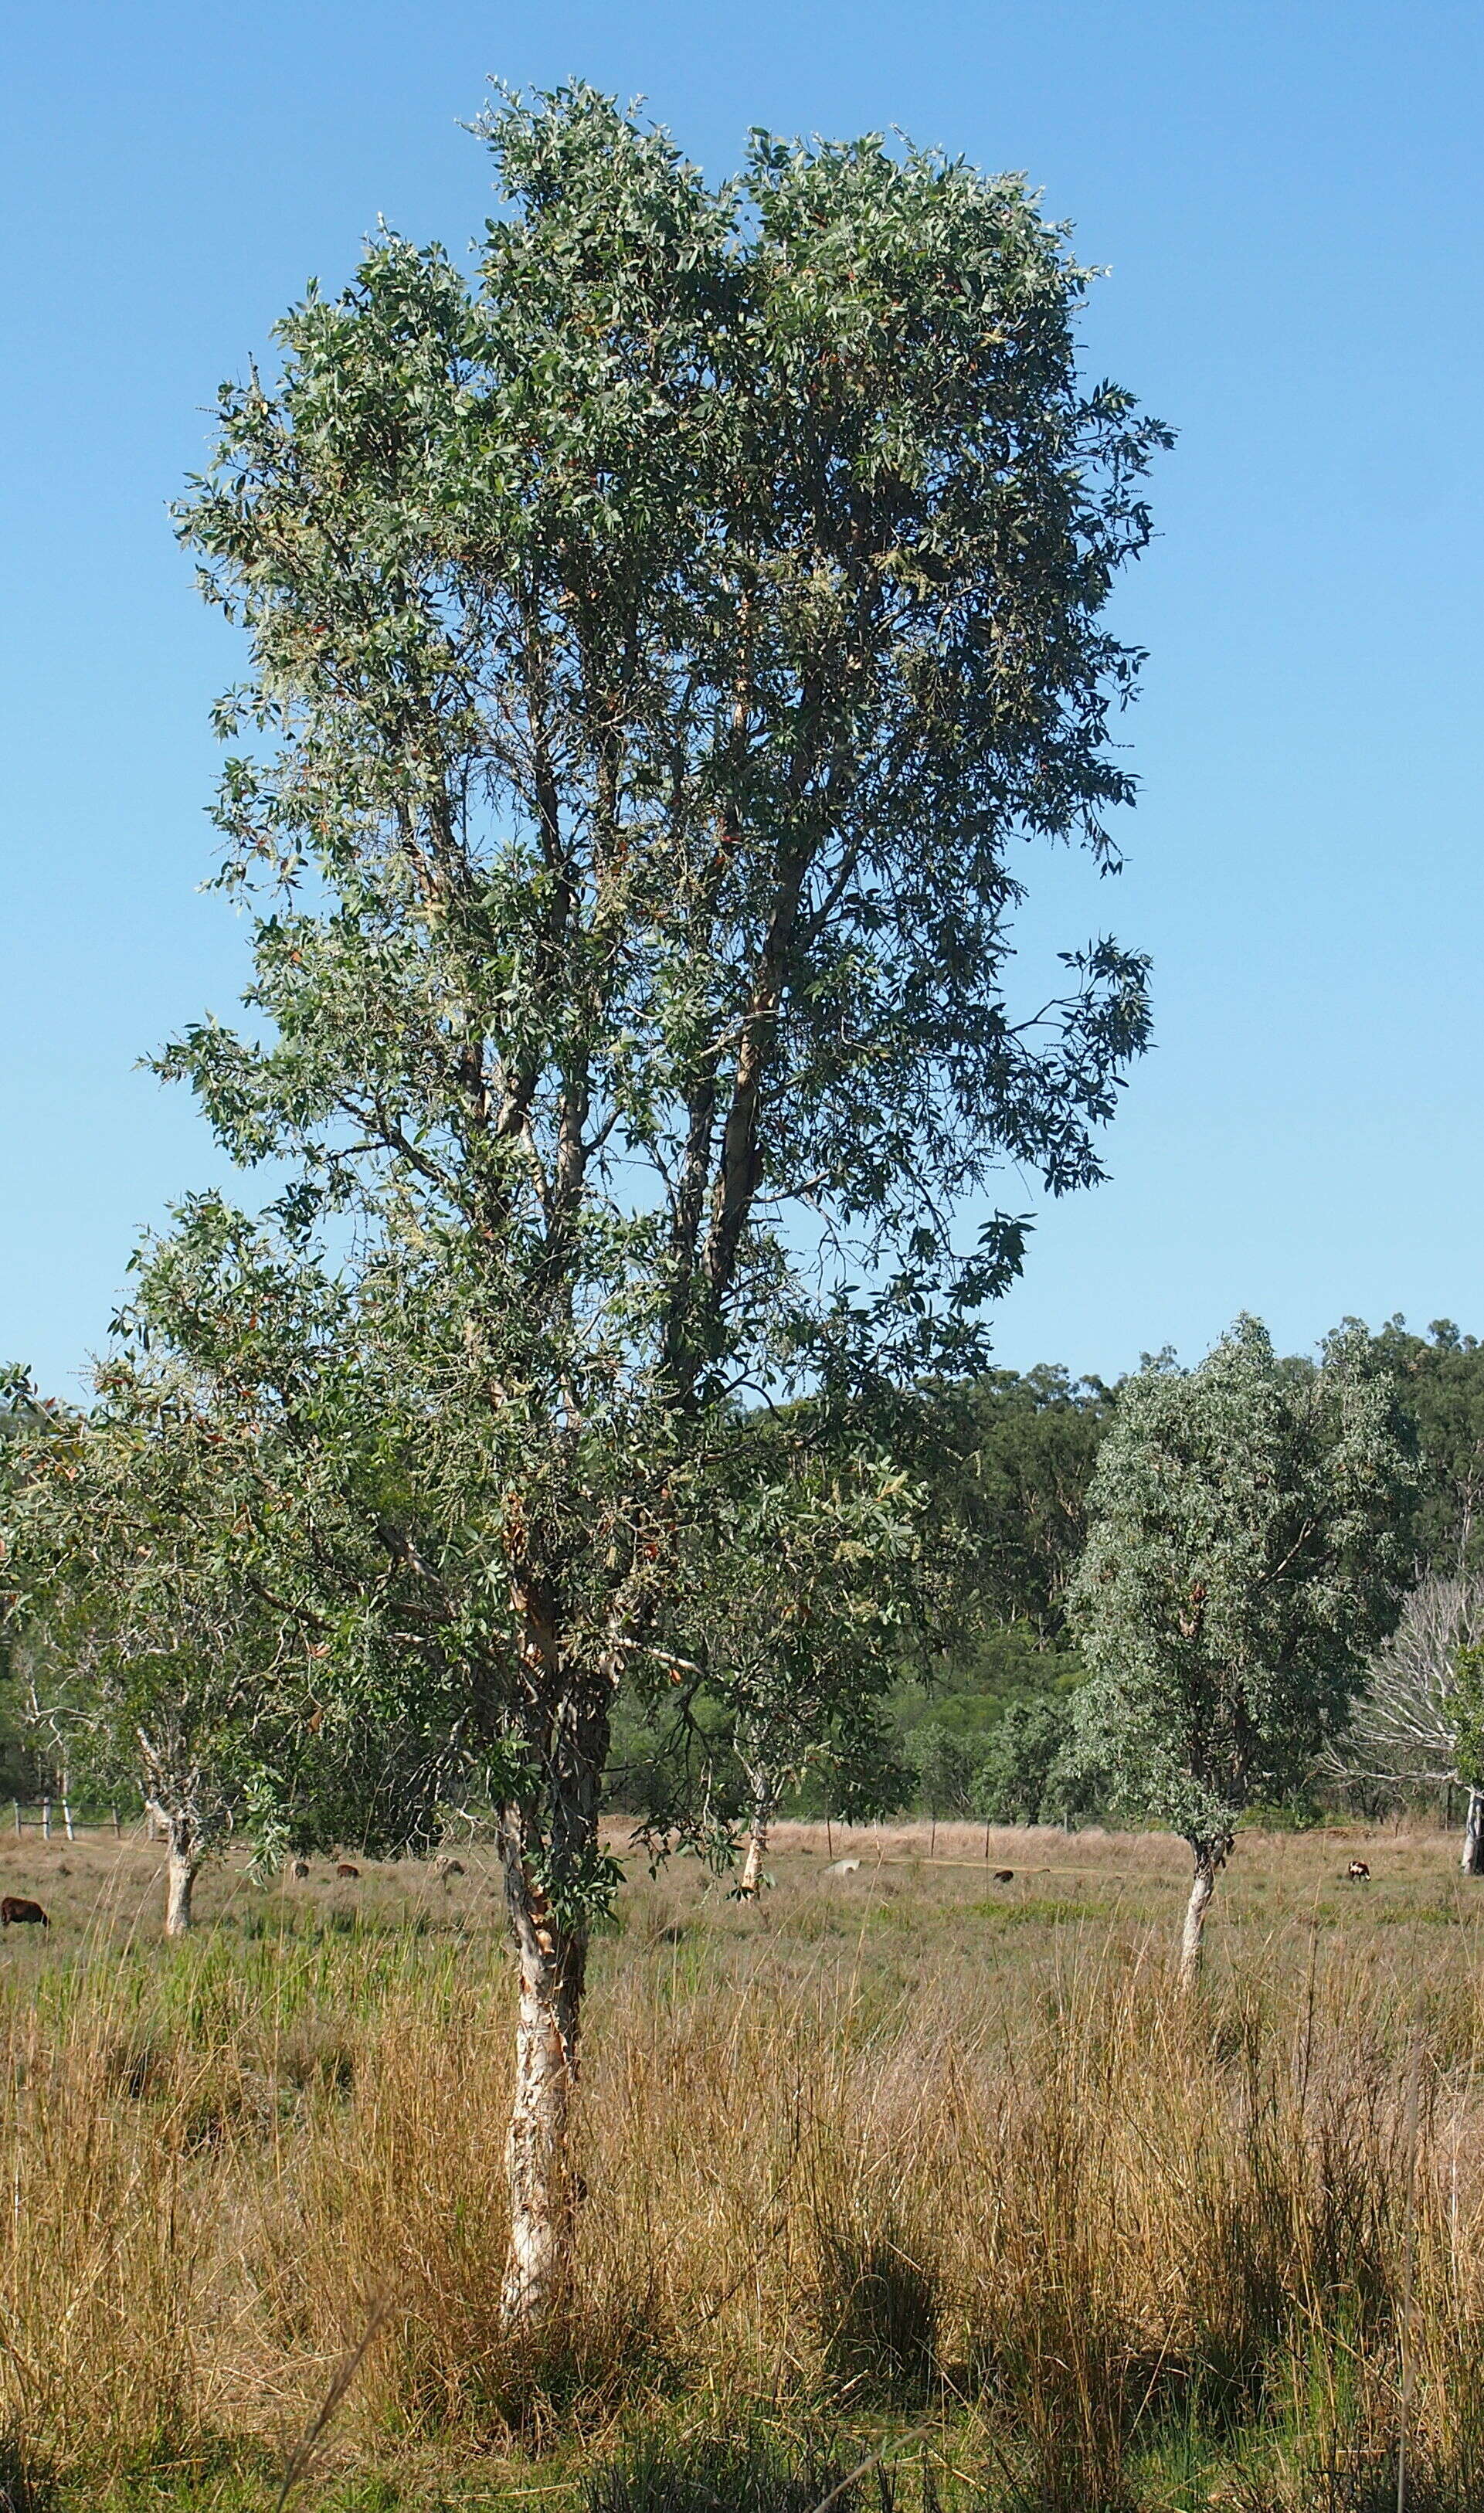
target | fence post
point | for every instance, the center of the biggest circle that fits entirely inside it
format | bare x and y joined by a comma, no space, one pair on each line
16,1803
116,1834
46,1819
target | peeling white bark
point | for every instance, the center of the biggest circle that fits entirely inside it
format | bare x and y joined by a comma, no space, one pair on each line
1203,1886
539,2143
751,1884
1471,1856
181,1870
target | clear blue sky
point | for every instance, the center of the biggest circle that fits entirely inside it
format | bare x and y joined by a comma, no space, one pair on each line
1291,198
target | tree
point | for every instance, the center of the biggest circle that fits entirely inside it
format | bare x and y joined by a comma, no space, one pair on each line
1246,1553
1017,1779
788,1610
1440,1379
948,1764
662,642
1417,1720
1022,1448
156,1659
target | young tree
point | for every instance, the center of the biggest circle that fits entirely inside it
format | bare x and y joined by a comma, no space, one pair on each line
1419,1719
788,1609
156,1659
1246,1554
663,641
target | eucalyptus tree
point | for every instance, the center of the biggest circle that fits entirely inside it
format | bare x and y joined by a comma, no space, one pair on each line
665,638
156,1657
797,1595
1247,1552
1418,1721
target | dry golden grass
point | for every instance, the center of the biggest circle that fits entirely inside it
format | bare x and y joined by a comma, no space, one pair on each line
902,2142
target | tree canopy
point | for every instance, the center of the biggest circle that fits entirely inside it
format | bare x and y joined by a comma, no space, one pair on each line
664,639
1247,1552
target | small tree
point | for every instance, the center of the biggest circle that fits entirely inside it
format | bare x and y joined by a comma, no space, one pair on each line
1417,1722
146,1714
1246,1554
158,1657
789,1608
948,1767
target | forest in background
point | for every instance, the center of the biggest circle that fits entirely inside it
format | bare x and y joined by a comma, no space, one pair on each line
976,1727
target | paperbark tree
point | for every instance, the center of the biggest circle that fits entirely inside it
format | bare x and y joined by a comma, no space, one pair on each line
662,639
1418,1721
1247,1552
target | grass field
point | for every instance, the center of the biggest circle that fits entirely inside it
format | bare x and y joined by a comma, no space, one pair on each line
905,2159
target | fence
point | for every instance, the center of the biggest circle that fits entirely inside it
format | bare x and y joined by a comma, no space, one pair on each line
41,1820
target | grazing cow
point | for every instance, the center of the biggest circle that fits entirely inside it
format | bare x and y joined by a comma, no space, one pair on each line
1004,1875
17,1912
345,1869
844,1868
1360,1873
300,1870
446,1867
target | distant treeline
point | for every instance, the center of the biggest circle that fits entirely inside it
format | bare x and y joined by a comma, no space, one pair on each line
976,1722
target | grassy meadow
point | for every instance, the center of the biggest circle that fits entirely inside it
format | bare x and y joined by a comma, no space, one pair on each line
906,2160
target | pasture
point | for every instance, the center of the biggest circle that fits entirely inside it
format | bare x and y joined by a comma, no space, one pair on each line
905,2158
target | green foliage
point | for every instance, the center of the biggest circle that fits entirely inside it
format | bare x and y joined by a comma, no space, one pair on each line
1018,1780
947,1768
1247,1552
662,642
1440,1384
1018,1453
1468,1715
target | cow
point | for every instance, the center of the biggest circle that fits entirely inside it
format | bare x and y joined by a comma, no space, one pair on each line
300,1870
17,1912
1360,1873
446,1867
844,1868
1004,1875
344,1869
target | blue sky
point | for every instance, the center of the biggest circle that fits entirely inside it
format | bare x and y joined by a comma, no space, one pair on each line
1290,200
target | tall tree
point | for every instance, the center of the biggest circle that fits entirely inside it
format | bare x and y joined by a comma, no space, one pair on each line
1246,1554
1022,1459
1440,1378
662,642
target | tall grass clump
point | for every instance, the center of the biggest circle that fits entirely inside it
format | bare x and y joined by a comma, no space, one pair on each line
1105,2235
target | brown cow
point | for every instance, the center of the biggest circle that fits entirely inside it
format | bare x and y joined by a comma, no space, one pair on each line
345,1869
1360,1873
16,1911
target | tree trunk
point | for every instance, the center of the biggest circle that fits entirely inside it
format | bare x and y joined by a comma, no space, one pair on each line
181,1863
553,1963
1208,1859
1471,1857
752,1884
